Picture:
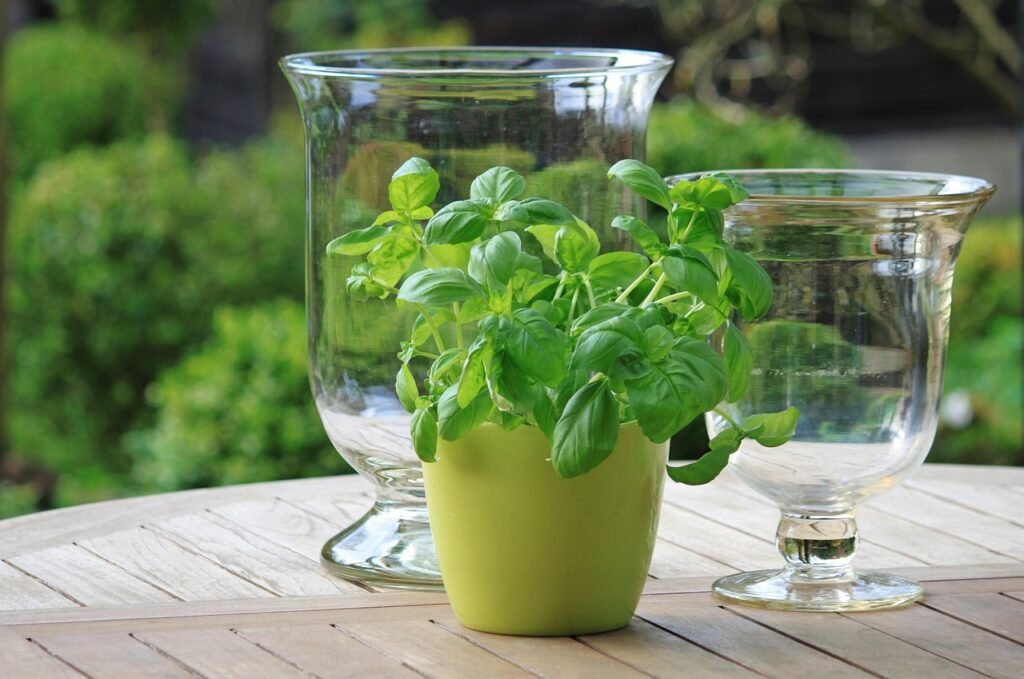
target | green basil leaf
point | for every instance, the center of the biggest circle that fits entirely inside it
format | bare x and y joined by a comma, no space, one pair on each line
600,314
535,346
473,379
421,331
392,258
359,242
387,217
772,429
545,235
601,346
438,287
573,382
543,211
499,184
689,271
457,222
704,233
510,421
614,270
642,180
405,388
455,256
739,361
544,415
576,245
715,191
711,463
642,235
449,360
413,185
685,384
658,342
515,388
424,434
495,259
751,287
586,433
454,422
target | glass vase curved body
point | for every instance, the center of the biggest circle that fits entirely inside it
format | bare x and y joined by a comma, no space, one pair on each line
560,117
862,266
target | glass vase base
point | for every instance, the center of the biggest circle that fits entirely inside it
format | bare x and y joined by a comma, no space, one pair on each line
775,590
389,546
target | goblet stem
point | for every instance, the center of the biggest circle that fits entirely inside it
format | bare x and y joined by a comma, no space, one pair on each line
818,575
817,548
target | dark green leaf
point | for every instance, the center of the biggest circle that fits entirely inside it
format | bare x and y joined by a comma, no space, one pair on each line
424,434
458,222
414,185
614,270
448,361
473,379
573,382
438,286
359,242
739,361
510,421
704,233
498,183
405,387
586,433
543,211
751,287
642,180
514,388
600,314
495,260
711,463
658,342
455,422
688,382
601,346
772,429
535,346
544,414
545,235
690,271
643,235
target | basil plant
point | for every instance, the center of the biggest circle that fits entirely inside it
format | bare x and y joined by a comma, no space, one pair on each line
576,346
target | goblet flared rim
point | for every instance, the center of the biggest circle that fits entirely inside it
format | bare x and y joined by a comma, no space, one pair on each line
476,62
848,187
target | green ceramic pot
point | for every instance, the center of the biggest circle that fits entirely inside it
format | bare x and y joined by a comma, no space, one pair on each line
524,551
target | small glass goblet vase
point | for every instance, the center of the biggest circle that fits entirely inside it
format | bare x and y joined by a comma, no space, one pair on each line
862,264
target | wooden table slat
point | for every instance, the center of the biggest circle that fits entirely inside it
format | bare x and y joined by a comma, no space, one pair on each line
226,582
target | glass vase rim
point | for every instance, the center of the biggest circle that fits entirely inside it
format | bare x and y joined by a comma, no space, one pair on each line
635,62
979,189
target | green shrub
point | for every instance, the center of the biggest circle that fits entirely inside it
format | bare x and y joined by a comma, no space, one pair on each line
65,87
684,136
119,256
239,409
167,27
985,348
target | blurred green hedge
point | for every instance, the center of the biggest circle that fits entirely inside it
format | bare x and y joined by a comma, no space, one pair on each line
66,86
239,409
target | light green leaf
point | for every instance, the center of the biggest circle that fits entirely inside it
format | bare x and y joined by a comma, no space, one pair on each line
545,235
358,242
690,271
498,183
438,287
413,185
473,379
392,258
495,260
405,388
543,211
586,433
642,180
424,434
576,244
600,347
614,270
739,361
772,429
716,192
458,222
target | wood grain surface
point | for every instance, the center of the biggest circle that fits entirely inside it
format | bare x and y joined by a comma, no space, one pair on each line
226,582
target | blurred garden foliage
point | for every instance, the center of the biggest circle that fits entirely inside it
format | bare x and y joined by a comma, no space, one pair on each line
156,293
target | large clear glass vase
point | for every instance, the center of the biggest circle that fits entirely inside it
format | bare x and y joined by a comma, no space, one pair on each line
558,116
862,263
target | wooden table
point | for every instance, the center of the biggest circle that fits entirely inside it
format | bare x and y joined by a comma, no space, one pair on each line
225,582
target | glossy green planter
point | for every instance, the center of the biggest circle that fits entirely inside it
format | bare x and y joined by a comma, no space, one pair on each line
524,551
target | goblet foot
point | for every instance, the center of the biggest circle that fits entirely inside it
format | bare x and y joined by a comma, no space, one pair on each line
781,591
389,546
